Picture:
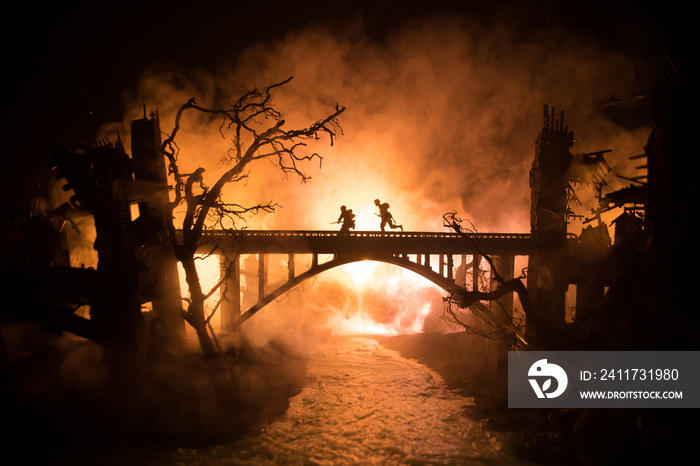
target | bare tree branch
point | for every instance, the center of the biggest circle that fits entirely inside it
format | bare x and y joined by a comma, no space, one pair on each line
257,133
505,325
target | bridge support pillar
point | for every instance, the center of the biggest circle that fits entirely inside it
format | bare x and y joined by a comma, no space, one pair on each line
503,308
461,279
476,269
231,306
262,277
290,266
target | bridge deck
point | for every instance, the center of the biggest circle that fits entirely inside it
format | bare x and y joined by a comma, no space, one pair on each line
367,243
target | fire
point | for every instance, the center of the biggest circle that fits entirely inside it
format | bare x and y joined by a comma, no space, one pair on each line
360,272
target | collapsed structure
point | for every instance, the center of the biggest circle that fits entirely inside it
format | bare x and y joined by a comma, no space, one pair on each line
558,260
126,196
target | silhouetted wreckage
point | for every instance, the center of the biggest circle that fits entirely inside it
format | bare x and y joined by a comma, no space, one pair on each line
137,243
134,266
556,261
633,293
591,261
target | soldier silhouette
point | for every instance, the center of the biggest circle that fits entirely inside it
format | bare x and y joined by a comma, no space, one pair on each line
385,216
346,219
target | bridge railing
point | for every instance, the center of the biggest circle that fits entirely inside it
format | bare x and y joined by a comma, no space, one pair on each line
366,243
362,234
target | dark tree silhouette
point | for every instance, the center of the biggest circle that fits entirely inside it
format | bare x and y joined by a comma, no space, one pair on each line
495,325
257,132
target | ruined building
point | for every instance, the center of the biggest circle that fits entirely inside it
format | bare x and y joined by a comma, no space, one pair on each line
126,197
549,183
560,261
161,285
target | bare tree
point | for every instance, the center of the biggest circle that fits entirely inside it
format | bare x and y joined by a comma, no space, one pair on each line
257,132
496,323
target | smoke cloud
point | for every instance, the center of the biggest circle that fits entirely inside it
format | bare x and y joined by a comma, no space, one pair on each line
442,115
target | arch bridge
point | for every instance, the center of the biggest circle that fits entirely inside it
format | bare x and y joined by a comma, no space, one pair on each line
429,254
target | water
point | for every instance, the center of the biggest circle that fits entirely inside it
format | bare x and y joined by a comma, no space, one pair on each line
364,404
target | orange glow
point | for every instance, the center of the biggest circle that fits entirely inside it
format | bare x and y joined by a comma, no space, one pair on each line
392,300
368,298
411,137
359,324
209,272
360,272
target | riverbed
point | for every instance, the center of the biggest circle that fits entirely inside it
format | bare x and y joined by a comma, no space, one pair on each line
364,404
